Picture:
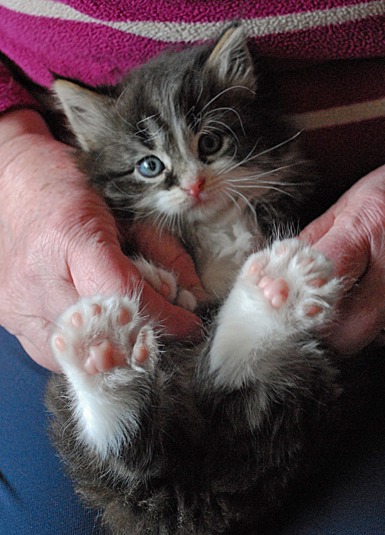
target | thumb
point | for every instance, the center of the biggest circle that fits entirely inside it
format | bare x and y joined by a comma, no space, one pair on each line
342,242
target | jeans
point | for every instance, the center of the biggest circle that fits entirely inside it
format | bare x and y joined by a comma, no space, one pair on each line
35,496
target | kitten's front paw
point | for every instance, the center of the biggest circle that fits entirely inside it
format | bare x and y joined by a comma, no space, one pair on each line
165,283
295,279
98,334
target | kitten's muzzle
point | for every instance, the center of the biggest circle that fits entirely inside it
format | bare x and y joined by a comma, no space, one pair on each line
197,188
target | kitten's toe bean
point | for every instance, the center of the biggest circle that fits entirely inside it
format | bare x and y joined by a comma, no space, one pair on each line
103,357
124,317
317,283
60,344
312,310
144,347
275,290
253,270
77,320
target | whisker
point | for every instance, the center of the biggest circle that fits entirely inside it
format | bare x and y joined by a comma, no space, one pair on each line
225,126
275,170
228,109
245,159
244,198
248,158
225,91
278,146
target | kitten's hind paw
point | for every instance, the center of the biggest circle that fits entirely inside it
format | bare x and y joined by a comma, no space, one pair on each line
98,334
295,279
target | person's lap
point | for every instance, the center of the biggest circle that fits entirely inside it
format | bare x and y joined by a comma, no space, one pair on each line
36,497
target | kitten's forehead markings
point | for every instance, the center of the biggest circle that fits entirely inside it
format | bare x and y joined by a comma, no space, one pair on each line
149,127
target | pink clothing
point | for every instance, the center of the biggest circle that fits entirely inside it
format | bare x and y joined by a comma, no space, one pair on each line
96,42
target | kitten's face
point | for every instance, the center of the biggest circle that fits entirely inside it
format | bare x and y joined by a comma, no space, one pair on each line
181,138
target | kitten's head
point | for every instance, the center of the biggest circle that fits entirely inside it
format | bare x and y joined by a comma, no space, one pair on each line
181,137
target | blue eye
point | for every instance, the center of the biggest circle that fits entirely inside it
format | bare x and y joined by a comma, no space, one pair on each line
150,167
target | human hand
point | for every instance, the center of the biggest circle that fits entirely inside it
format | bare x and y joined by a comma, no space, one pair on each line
58,241
352,234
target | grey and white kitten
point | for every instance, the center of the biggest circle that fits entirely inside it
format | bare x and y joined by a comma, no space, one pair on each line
206,439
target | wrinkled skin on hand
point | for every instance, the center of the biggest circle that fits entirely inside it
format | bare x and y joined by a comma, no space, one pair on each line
58,241
352,234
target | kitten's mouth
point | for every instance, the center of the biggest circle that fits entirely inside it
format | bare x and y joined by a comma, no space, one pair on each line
203,198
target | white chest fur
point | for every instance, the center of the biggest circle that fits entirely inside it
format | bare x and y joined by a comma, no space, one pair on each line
222,245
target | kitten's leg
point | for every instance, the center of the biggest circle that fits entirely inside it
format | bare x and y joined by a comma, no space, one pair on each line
165,283
106,352
281,296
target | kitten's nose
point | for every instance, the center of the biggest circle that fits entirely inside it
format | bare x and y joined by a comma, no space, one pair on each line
196,189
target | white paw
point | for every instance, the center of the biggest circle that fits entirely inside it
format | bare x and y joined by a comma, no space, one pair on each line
98,334
165,283
295,279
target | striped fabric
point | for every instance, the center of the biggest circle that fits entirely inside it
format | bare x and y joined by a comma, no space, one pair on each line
330,56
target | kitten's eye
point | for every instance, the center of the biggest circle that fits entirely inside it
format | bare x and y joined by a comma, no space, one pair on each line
150,167
209,144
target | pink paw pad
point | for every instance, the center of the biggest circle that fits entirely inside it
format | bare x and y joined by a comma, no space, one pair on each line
103,357
125,317
275,290
60,344
255,272
141,350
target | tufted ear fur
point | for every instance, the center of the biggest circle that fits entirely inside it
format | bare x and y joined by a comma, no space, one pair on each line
231,59
85,111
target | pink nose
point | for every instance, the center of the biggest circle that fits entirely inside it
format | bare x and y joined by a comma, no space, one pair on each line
196,189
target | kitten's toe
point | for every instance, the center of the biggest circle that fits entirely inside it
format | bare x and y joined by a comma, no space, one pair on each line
144,346
276,291
163,281
103,357
186,299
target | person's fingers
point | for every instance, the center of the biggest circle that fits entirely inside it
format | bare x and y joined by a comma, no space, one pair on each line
361,314
350,234
174,321
341,236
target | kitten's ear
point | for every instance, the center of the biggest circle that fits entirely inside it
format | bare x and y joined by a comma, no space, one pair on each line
85,111
231,59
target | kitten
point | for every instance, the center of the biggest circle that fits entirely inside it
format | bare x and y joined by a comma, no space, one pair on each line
207,439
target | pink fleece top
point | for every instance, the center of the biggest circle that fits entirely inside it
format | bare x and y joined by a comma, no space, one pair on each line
97,41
